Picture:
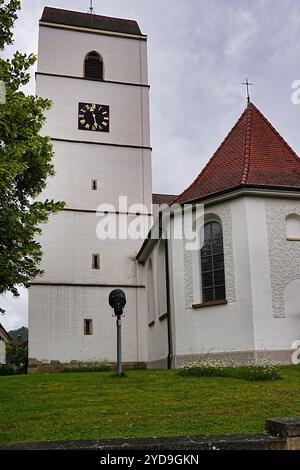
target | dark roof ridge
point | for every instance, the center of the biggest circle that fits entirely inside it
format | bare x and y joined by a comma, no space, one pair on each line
247,154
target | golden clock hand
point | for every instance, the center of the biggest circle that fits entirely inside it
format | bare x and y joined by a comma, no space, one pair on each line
96,124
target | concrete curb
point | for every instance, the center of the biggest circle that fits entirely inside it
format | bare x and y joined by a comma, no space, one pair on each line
283,434
242,442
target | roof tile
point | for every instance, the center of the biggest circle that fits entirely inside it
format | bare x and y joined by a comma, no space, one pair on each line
253,154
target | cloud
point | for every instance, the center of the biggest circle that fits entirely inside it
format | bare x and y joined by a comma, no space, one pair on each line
244,28
16,310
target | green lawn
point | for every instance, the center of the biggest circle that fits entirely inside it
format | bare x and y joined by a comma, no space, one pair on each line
144,403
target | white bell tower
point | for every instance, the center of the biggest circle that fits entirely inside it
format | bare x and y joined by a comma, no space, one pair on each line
94,69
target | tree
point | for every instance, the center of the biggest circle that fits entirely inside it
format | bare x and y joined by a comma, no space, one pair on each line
21,334
17,356
25,165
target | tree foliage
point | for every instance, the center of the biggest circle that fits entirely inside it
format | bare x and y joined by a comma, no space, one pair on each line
25,165
17,356
8,15
21,334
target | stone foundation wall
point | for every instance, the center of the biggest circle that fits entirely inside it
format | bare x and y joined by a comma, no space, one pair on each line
158,364
278,356
36,367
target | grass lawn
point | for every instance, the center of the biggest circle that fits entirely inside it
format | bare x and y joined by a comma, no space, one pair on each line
142,404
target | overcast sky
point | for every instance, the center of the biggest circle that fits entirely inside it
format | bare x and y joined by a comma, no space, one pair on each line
199,52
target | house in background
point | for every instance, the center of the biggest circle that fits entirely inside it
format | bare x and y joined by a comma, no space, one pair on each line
4,338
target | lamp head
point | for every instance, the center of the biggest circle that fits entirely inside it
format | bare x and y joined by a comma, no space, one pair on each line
117,300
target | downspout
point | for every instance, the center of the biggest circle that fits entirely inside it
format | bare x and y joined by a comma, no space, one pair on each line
170,343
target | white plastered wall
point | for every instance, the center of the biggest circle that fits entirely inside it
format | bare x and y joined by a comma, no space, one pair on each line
128,108
56,324
275,266
56,312
158,331
125,59
77,165
222,328
2,352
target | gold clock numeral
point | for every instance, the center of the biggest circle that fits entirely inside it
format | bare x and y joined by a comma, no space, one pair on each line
87,126
104,123
81,116
82,121
106,118
93,128
104,112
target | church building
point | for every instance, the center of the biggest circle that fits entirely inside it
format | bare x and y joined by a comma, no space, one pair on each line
237,297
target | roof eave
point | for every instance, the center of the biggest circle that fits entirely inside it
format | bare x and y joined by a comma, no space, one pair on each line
244,188
5,333
232,193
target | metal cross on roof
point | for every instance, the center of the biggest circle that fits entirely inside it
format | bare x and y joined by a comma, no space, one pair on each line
91,9
247,85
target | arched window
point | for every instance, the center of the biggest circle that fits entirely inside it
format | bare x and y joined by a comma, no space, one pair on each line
93,66
212,263
293,227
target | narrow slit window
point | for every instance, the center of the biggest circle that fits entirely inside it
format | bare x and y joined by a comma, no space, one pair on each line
88,327
96,262
94,185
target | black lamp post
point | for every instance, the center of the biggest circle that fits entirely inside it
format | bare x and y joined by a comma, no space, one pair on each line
117,300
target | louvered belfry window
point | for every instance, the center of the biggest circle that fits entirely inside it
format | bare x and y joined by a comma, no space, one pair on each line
212,263
93,66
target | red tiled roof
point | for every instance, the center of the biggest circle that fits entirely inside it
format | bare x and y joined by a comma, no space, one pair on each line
86,20
252,155
162,198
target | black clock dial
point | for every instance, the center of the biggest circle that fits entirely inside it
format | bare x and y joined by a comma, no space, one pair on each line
93,117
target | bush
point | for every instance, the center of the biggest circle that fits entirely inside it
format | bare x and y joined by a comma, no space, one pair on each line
78,366
246,371
17,356
7,370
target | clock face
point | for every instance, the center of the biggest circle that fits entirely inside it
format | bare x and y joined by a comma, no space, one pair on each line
93,117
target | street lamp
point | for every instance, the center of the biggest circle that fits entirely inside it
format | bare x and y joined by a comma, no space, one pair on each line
117,300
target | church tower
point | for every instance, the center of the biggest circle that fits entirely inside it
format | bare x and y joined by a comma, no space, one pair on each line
94,70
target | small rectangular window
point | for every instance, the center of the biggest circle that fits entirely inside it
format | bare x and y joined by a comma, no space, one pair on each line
94,185
88,327
96,262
